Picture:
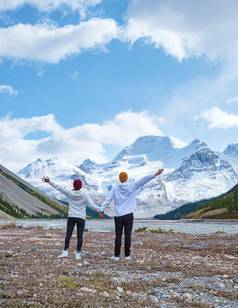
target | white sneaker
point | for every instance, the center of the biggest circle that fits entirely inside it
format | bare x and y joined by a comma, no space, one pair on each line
115,258
77,255
128,258
64,254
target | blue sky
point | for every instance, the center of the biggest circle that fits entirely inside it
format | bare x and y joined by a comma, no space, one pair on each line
109,82
72,70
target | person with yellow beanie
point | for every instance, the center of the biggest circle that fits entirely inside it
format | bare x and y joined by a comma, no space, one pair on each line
123,196
123,177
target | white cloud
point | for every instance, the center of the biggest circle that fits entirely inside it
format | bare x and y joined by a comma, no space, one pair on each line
122,130
48,43
232,100
73,144
7,89
49,5
182,29
186,28
218,118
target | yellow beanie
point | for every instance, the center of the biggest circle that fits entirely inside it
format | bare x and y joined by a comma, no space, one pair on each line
123,176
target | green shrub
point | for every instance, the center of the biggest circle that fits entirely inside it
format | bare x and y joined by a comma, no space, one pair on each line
141,229
160,230
11,208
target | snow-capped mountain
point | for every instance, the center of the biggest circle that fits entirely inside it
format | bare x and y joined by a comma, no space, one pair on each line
88,165
52,167
231,155
231,149
203,175
58,169
157,148
192,172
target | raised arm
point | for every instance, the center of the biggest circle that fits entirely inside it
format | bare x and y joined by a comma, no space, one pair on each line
58,187
138,184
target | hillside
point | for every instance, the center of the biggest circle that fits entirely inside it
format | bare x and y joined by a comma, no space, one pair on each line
21,200
224,206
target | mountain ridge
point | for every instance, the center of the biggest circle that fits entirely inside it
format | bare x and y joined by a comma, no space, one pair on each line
224,206
195,172
18,198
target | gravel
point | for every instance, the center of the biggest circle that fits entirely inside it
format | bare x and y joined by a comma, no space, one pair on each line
167,270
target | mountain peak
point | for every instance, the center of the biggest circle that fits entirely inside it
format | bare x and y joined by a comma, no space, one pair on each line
202,159
231,149
88,165
154,147
194,146
198,142
51,167
152,139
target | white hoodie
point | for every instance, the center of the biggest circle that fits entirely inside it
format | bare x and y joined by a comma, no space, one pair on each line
124,196
78,199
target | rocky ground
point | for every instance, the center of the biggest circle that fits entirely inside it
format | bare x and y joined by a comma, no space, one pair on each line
167,270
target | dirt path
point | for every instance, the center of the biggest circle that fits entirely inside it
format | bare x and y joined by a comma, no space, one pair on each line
167,270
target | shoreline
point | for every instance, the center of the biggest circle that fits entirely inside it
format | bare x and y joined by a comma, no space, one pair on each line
136,219
159,226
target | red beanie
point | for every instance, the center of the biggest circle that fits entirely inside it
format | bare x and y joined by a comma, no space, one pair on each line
77,184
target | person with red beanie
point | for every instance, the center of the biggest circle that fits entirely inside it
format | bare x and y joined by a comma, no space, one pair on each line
78,199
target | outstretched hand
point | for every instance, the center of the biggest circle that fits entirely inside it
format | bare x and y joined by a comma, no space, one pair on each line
45,179
159,172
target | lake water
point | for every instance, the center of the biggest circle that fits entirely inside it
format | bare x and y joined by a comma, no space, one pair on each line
107,225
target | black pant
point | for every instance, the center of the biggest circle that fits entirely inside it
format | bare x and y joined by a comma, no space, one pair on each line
70,228
126,222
